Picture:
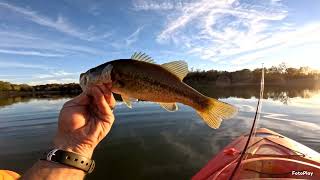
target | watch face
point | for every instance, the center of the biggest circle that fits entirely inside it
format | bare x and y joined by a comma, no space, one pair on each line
51,153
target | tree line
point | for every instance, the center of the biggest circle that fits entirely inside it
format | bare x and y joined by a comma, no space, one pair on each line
274,74
69,88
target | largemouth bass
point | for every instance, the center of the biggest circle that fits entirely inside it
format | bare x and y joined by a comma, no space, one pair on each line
140,78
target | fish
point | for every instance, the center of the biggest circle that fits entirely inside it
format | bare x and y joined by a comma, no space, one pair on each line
141,78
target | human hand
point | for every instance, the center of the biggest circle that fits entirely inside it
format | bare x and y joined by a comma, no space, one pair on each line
85,120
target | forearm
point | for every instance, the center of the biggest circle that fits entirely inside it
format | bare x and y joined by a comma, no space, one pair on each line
50,170
83,122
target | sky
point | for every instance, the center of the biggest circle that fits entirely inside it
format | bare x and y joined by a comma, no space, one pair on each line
54,41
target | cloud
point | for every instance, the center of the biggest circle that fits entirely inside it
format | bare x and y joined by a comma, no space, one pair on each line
235,31
101,37
187,14
222,20
139,5
54,76
29,53
280,41
30,43
127,41
48,75
11,34
57,74
95,8
12,64
61,24
133,37
52,81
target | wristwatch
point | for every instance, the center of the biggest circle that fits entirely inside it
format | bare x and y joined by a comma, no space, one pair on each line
70,159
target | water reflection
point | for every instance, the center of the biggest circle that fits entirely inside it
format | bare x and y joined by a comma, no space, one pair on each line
282,94
147,142
9,100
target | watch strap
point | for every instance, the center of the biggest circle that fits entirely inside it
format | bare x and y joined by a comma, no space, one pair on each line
70,159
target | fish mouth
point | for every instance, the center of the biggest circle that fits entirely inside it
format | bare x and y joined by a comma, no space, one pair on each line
89,78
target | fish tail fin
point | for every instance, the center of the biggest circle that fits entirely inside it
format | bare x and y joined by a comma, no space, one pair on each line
216,111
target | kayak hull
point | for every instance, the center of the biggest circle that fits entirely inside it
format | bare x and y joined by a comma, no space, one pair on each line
269,155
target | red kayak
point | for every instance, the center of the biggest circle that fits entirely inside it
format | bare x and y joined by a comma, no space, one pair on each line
269,155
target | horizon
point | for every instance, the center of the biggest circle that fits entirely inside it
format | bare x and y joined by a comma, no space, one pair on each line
303,69
53,42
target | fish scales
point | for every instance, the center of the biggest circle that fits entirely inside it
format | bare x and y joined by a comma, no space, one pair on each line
139,78
155,80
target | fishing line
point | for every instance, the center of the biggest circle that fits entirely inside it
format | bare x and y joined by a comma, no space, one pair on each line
253,129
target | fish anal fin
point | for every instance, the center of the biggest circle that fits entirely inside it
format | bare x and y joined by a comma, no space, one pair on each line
142,57
169,106
178,68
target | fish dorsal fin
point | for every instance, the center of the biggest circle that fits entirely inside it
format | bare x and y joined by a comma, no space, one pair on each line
169,106
142,57
178,68
127,100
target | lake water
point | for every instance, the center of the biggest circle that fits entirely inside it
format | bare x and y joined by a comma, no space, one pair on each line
147,142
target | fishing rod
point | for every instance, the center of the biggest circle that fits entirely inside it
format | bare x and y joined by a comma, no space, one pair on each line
252,131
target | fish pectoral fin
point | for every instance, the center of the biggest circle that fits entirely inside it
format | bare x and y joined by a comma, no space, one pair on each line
127,100
169,106
178,68
142,57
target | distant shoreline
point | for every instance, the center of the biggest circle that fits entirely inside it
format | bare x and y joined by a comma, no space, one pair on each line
34,93
276,76
301,83
307,83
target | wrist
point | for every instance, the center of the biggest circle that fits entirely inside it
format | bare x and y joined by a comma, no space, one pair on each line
51,170
78,150
69,158
51,164
72,146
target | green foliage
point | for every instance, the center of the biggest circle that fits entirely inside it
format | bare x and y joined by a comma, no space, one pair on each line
72,87
25,87
5,86
69,88
274,74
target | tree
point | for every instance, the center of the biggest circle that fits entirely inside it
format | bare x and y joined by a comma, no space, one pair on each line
282,68
5,86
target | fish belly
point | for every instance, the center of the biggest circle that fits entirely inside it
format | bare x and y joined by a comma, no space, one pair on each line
167,93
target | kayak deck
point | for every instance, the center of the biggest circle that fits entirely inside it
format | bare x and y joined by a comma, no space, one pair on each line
269,155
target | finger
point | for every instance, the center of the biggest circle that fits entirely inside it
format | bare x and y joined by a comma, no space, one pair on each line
100,100
111,101
108,95
105,121
108,118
